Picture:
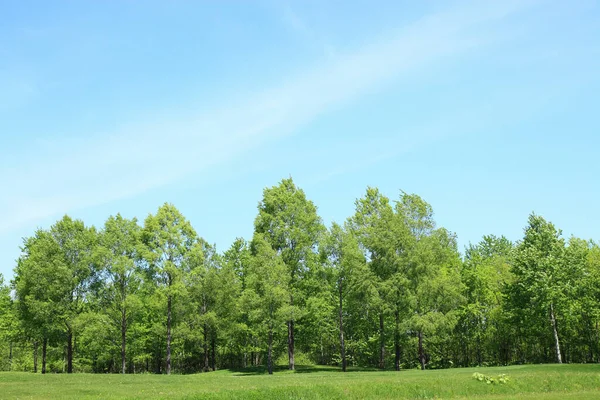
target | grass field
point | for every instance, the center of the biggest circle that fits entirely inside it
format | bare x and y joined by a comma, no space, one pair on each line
526,382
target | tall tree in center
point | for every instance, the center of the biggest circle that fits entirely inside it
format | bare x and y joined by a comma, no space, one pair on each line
290,224
373,225
168,237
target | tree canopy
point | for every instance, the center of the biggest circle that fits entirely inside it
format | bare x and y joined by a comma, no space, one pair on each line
386,288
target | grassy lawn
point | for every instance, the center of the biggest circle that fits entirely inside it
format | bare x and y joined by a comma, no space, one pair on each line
526,382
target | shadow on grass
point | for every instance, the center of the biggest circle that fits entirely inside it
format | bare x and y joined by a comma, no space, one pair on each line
300,369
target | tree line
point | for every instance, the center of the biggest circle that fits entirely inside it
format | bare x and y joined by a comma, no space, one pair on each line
386,289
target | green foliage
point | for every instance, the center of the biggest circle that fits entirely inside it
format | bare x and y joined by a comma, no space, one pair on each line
9,326
386,288
54,276
540,292
302,360
483,320
290,225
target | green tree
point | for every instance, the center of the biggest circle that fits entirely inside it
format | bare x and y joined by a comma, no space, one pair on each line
589,293
432,273
76,245
540,282
8,322
230,331
53,278
118,252
579,306
267,291
290,224
34,288
485,275
168,237
345,258
382,236
233,277
203,285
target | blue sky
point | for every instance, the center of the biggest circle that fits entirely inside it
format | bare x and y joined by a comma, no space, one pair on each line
487,109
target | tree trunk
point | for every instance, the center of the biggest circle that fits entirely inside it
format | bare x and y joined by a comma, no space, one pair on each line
206,362
270,354
245,356
123,340
292,364
555,332
382,343
69,352
397,341
479,331
35,356
169,300
421,352
44,345
342,344
256,358
466,352
213,342
10,346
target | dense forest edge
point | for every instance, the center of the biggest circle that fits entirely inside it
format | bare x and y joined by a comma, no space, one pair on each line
385,289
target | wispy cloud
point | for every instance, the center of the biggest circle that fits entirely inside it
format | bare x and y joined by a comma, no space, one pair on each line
78,173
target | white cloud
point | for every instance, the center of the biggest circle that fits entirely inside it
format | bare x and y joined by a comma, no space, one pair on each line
77,173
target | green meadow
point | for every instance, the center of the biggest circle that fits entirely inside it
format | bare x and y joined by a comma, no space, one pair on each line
580,381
